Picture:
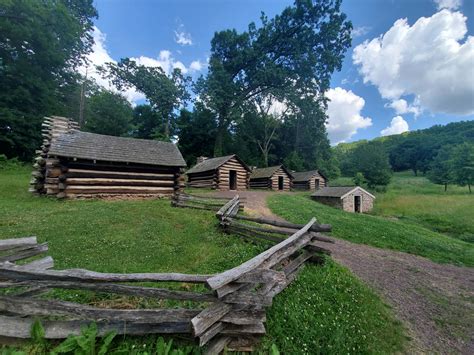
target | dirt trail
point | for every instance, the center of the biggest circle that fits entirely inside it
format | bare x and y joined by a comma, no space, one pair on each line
435,301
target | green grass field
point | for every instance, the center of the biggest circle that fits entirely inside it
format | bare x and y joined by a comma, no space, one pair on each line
377,231
327,310
414,199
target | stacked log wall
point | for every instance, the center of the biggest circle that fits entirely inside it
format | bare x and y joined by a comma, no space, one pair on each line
223,175
82,178
41,181
286,180
300,185
205,179
263,183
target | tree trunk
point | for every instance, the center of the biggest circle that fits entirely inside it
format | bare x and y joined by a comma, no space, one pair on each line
219,143
469,186
445,187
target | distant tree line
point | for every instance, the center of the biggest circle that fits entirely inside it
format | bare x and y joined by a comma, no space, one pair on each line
444,154
262,97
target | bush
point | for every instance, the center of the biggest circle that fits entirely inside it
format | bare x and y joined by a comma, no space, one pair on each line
6,163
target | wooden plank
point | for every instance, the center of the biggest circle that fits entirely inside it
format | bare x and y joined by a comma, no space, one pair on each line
118,182
37,307
40,264
221,279
16,327
27,253
6,244
217,345
245,317
14,272
284,224
139,291
209,316
116,189
210,333
85,173
227,206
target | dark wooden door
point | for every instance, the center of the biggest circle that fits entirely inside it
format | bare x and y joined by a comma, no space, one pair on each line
357,204
233,180
316,184
280,182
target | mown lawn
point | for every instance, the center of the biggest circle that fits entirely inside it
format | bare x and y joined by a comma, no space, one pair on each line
416,200
326,310
375,230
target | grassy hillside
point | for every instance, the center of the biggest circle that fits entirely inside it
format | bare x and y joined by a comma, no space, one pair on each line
414,199
375,230
151,236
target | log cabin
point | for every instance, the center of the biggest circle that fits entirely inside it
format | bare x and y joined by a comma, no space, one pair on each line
309,180
274,178
222,173
72,163
349,198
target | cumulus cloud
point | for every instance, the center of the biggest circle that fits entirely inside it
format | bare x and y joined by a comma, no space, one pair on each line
397,126
100,56
345,118
360,31
401,107
182,37
448,4
431,60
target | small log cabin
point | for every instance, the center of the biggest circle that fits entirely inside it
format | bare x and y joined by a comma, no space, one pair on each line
274,178
72,163
308,180
222,173
349,198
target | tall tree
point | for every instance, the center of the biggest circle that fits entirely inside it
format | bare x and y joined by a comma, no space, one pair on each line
108,113
147,122
41,45
166,94
296,51
441,170
462,164
372,161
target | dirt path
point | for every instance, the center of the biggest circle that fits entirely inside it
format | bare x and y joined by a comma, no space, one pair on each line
435,301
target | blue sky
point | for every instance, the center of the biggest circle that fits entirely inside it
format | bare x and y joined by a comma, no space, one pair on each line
399,74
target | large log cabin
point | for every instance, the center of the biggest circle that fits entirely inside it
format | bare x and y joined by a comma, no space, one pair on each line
222,173
274,178
309,180
72,163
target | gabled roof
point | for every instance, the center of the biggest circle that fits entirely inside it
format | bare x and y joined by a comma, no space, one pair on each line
214,163
91,146
305,175
339,191
262,173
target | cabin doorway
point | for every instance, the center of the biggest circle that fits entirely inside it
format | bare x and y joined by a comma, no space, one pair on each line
316,184
280,183
233,180
357,204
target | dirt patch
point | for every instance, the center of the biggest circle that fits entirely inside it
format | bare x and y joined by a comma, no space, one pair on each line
434,301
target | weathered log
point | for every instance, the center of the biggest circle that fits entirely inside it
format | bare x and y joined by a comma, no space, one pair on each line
26,253
118,182
217,345
15,272
221,279
93,189
6,244
284,224
16,327
36,307
209,316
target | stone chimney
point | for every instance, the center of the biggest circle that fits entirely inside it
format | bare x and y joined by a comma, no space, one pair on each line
199,160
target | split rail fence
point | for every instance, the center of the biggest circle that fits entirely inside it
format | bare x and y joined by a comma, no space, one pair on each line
227,311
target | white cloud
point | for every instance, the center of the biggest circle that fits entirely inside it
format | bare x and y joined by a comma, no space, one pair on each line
397,126
100,56
427,60
401,107
360,31
448,4
182,37
196,65
344,111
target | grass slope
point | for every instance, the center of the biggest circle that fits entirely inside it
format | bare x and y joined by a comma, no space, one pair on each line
375,230
416,200
325,310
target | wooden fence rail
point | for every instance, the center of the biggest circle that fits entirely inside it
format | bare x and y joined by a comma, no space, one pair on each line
228,312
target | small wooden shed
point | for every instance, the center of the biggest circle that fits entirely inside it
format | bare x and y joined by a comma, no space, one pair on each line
309,180
273,177
72,163
349,198
222,173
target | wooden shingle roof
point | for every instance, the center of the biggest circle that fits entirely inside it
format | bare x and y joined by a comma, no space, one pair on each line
305,175
262,173
214,163
91,146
